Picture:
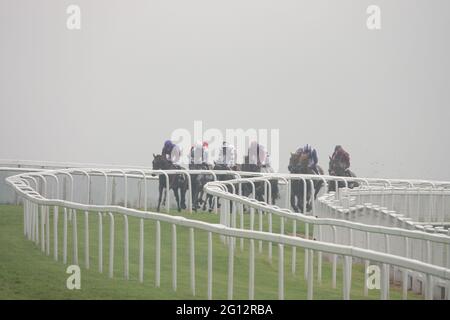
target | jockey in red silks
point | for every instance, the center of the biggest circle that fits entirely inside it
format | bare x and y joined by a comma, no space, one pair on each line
199,155
342,156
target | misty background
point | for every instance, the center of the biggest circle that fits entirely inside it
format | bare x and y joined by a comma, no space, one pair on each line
113,91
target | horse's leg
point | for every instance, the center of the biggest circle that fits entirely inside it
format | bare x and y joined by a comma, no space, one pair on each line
274,188
300,197
293,192
194,194
317,187
164,196
205,202
260,192
195,197
161,187
177,197
200,197
183,189
331,186
309,196
300,203
210,203
194,200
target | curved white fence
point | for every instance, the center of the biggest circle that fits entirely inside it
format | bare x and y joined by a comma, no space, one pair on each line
342,226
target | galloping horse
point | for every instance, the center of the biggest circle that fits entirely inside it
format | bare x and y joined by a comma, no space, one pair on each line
299,163
177,182
198,182
337,168
220,177
259,185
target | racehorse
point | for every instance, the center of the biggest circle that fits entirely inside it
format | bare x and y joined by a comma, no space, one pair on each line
177,182
299,163
338,168
259,185
198,181
220,177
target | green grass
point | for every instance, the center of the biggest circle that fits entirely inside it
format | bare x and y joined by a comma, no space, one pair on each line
27,273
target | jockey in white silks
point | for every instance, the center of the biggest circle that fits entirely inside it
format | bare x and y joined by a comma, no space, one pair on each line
267,166
227,155
257,154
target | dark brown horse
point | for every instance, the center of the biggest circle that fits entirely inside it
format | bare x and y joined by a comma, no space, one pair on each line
338,168
299,163
177,182
198,181
259,185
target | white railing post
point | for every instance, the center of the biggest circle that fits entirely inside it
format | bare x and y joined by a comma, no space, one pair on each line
42,228
65,236
280,272
294,248
86,239
384,282
346,281
310,271
192,259
230,269
251,277
209,266
158,255
126,272
270,243
111,245
100,241
55,233
75,236
47,228
141,250
174,257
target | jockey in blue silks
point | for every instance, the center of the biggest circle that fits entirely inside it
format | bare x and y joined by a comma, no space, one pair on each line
312,155
171,151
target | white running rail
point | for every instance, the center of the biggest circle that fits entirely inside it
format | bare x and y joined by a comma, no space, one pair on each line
323,233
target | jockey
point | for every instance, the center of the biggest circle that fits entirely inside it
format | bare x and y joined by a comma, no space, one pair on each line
313,158
342,156
267,164
171,152
199,154
227,156
257,154
205,147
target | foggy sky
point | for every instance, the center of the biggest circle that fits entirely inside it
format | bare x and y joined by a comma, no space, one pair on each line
113,91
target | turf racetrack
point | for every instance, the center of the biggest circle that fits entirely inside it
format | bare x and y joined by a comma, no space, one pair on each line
27,273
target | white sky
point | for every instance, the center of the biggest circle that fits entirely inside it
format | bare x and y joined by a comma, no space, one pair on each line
113,91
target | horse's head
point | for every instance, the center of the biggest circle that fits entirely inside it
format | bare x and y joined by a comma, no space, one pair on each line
303,160
293,160
298,163
160,162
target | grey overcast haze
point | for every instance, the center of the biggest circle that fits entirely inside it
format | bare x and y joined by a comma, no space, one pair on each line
137,70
